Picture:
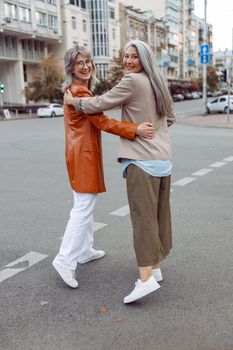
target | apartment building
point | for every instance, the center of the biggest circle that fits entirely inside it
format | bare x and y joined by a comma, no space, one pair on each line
223,60
143,25
27,28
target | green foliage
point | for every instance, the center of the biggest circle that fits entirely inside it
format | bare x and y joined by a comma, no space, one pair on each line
212,79
46,83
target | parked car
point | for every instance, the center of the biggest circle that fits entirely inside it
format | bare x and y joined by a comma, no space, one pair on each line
220,104
188,96
52,110
177,97
195,94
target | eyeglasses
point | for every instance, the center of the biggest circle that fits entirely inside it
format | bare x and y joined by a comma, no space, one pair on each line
81,64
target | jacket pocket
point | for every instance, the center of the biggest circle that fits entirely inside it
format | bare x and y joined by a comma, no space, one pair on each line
90,147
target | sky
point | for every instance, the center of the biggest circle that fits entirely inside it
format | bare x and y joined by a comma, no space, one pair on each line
220,15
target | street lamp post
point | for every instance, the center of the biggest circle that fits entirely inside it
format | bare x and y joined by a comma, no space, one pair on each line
204,84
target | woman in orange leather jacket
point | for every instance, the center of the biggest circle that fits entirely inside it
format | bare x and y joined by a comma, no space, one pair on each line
84,164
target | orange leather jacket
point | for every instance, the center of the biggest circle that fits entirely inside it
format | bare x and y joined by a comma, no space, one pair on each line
83,144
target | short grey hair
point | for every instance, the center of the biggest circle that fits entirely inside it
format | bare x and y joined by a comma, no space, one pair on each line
164,102
69,61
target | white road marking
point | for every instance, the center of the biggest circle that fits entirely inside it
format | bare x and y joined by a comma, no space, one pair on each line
217,164
228,159
184,181
98,226
21,264
122,211
202,172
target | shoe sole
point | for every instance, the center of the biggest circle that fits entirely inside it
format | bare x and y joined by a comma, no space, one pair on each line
91,259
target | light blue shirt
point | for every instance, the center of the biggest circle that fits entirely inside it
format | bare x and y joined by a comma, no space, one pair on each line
157,168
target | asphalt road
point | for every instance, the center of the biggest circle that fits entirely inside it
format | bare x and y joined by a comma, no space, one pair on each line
193,310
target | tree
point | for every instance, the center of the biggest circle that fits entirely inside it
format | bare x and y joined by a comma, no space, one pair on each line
46,83
114,75
212,79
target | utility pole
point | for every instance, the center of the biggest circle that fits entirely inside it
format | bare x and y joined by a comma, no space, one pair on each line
229,77
204,83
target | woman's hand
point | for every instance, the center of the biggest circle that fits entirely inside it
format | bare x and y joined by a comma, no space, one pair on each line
68,98
145,130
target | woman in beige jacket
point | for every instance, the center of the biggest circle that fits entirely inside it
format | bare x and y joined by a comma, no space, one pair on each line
146,164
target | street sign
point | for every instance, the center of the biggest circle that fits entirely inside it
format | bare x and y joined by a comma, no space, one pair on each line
204,59
204,49
204,53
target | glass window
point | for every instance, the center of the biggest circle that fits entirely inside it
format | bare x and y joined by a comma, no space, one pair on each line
41,18
52,21
84,25
10,10
83,4
111,12
24,14
113,33
73,22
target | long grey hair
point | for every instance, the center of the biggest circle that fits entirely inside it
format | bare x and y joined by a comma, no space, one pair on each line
164,103
70,59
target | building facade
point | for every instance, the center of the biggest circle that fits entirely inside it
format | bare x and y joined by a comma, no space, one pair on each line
27,28
30,29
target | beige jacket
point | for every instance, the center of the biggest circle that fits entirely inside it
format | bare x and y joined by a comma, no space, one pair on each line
135,95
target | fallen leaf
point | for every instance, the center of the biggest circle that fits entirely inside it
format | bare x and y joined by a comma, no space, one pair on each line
44,302
103,309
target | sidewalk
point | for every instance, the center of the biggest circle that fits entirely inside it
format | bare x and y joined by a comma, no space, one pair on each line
209,120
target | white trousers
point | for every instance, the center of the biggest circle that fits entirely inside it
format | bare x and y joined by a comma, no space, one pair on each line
79,234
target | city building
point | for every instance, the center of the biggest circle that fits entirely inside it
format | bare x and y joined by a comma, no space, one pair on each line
27,29
143,25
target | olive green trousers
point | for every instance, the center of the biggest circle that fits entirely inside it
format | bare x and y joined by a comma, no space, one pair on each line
149,202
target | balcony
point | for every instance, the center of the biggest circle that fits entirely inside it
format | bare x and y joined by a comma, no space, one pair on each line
173,53
172,41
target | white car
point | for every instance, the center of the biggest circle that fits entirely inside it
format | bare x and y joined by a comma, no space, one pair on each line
52,110
220,104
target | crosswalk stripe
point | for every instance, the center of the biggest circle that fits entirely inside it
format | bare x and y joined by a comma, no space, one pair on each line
217,164
184,181
121,211
20,264
202,172
228,159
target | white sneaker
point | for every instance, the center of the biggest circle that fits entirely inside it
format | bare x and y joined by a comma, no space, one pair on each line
98,254
66,274
157,274
142,289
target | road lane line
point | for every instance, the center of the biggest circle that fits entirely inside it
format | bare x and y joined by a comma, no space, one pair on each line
217,164
122,211
228,159
20,264
202,172
184,181
98,226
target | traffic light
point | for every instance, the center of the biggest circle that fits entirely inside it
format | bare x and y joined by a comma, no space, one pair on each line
224,75
2,88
